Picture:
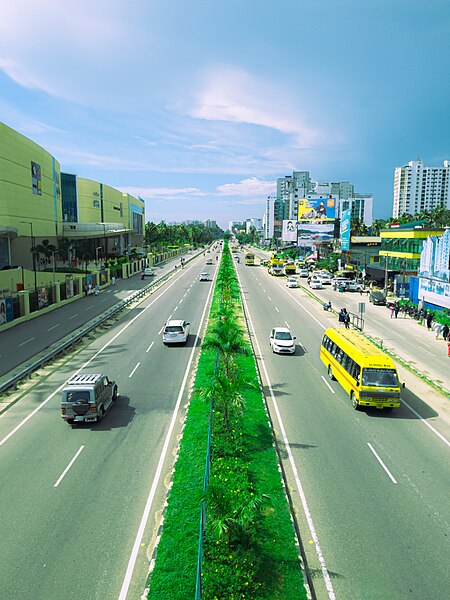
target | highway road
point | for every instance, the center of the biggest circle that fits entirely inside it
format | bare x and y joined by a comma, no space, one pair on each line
371,488
25,340
75,499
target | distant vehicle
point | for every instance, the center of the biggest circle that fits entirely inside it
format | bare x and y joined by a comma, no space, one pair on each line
276,266
365,372
315,284
282,341
176,331
86,397
377,298
353,286
303,273
209,261
290,268
148,272
249,258
203,276
292,282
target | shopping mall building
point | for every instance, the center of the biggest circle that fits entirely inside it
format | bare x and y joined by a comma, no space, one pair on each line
38,202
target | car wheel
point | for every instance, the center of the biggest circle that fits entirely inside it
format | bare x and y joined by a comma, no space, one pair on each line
354,401
100,414
115,393
330,373
70,421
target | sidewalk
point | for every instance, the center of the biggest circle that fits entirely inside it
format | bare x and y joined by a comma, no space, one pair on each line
403,336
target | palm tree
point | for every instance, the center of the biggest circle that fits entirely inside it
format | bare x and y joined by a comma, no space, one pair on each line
228,339
44,248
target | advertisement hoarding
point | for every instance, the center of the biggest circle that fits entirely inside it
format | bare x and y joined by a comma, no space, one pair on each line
345,230
315,233
317,209
289,232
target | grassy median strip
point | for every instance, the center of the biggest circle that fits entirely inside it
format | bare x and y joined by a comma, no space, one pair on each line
249,543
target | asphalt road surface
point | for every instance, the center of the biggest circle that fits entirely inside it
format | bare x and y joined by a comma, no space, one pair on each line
75,499
371,488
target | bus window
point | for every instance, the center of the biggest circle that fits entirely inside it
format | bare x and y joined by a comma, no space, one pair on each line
380,377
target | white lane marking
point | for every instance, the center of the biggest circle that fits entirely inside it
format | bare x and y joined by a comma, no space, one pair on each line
181,300
270,298
30,340
104,300
381,462
84,365
134,370
423,347
175,309
327,384
425,422
73,316
149,348
264,290
305,309
277,309
54,326
89,307
287,325
185,295
68,466
312,529
140,533
161,330
302,346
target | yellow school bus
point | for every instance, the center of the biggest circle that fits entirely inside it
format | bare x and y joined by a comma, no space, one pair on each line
365,372
249,258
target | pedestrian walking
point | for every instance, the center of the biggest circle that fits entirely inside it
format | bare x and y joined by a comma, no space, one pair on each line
437,329
429,319
96,289
113,280
85,288
347,320
448,348
392,310
445,331
396,309
341,315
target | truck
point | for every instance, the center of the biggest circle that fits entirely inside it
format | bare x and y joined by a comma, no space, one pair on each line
276,266
289,268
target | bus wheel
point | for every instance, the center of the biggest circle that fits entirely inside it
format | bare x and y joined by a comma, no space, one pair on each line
330,373
354,402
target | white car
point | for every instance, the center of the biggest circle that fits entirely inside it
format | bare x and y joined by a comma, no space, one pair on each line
303,273
209,261
353,286
315,284
326,278
176,331
292,282
282,340
203,276
148,272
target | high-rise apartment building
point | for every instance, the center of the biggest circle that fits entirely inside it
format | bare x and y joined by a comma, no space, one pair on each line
418,188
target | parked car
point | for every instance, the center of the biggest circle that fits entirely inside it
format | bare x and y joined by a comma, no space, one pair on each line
292,282
203,276
86,397
148,272
377,297
282,341
176,331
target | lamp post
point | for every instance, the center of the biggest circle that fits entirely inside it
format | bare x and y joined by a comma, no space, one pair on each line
54,265
96,254
33,252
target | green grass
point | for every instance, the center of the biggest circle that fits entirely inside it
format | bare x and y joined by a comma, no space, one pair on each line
244,465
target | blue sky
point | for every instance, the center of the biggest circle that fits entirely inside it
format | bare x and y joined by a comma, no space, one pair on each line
199,106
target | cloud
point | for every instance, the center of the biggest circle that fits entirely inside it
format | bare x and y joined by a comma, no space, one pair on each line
166,193
233,95
248,187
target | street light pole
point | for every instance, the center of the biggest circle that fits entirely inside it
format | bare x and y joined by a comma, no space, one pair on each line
33,252
96,255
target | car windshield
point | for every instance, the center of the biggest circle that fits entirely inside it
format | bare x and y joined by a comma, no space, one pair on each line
377,295
174,329
380,377
283,335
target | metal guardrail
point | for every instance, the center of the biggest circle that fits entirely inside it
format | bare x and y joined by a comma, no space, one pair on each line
25,370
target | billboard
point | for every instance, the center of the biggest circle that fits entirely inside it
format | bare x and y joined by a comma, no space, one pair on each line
435,292
289,232
317,209
315,233
345,229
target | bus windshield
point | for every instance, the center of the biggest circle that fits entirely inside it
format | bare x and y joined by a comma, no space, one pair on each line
380,377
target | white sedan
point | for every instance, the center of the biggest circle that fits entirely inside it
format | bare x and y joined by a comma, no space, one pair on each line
292,282
282,340
315,284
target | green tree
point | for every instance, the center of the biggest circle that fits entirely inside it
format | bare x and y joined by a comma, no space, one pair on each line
44,248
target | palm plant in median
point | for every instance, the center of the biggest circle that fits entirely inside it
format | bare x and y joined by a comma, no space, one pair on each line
228,339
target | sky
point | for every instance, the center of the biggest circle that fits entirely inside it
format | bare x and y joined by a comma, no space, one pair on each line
199,106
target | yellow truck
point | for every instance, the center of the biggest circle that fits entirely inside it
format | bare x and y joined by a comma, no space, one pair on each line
289,268
276,266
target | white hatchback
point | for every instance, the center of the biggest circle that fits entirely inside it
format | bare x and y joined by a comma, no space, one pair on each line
176,331
292,282
282,340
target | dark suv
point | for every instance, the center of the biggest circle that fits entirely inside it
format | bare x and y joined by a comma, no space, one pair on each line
377,298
